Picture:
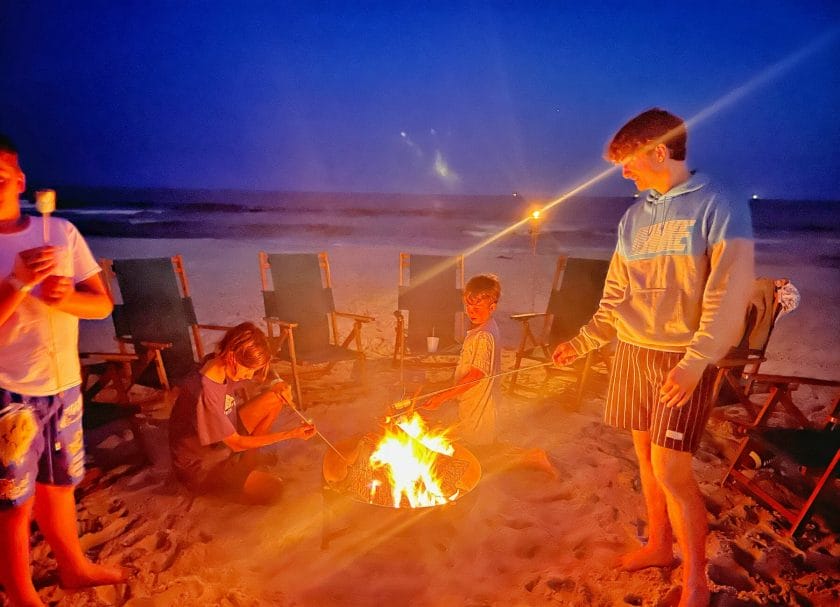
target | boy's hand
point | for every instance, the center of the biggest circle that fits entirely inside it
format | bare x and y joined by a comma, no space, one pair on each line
34,265
564,354
433,403
304,431
55,289
678,387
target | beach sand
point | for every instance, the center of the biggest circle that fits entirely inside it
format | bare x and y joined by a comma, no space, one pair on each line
520,538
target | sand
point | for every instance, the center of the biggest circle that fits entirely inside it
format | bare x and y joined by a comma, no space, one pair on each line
520,538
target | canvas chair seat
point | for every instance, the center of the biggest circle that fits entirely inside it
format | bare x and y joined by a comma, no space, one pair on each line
576,291
155,325
814,451
429,303
300,314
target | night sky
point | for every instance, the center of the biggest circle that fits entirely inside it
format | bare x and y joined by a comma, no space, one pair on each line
450,97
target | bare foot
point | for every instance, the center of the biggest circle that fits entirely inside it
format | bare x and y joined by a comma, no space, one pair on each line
29,598
695,596
646,556
92,574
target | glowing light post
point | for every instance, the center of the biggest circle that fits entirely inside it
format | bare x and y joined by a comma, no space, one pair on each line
534,233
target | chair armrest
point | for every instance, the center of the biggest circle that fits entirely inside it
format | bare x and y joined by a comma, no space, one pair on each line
527,316
791,379
359,317
156,345
109,356
215,327
728,363
281,323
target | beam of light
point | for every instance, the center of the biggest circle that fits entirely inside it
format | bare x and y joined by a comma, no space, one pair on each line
762,78
411,145
442,169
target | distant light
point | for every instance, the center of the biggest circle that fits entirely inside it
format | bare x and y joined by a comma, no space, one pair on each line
515,194
535,215
755,196
403,135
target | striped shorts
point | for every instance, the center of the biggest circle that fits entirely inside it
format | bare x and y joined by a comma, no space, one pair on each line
633,398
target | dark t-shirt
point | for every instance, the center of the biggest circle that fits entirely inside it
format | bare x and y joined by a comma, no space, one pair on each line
203,416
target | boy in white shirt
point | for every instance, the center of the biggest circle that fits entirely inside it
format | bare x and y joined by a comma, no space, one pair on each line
45,290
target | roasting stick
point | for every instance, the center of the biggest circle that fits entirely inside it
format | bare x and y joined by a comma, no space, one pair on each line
409,402
308,421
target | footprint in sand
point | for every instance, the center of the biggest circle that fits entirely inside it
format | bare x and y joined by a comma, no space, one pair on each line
111,531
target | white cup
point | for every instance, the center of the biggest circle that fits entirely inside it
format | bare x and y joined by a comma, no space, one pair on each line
432,344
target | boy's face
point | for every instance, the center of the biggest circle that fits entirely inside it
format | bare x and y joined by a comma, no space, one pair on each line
479,309
236,371
645,168
12,184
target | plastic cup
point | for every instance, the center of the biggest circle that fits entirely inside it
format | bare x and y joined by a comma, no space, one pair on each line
432,344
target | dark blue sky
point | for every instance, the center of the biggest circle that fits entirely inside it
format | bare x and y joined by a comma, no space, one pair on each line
461,97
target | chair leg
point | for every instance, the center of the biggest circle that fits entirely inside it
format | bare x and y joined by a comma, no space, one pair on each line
357,329
399,338
805,510
295,377
516,365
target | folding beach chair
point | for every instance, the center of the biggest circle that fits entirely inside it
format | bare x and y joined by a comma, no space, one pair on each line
157,333
431,288
301,317
575,293
737,371
814,452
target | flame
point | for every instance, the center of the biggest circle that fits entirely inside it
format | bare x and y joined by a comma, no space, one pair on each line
408,456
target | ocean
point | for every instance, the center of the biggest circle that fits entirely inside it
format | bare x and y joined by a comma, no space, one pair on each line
392,219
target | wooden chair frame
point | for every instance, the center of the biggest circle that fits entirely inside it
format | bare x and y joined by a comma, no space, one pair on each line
739,369
749,445
281,332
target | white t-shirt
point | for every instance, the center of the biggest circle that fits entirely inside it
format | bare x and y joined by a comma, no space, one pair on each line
39,345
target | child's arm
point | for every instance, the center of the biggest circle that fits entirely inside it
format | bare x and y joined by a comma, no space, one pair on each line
241,442
462,385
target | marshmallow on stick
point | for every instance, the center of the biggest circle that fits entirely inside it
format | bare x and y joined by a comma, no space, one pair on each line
45,203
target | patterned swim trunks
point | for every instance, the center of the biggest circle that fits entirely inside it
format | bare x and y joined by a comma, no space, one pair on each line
40,442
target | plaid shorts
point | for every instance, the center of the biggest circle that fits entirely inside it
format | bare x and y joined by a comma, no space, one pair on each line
40,442
633,398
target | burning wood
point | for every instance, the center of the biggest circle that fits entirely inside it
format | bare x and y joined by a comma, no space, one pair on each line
407,467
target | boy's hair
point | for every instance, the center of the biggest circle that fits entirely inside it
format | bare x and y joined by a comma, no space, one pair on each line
483,286
647,130
7,146
248,345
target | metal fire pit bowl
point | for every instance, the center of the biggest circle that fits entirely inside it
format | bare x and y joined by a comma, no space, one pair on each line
347,506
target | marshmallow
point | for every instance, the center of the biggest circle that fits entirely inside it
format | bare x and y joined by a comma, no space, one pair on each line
45,201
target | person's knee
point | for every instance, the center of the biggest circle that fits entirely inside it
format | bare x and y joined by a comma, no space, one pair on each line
672,470
262,488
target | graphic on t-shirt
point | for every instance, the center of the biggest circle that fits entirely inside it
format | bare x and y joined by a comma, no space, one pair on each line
230,403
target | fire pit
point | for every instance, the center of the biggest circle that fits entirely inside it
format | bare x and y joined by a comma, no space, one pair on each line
403,468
